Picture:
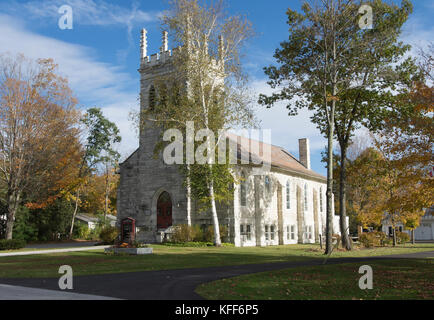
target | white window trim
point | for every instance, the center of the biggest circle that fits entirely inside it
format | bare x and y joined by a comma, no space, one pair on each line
246,231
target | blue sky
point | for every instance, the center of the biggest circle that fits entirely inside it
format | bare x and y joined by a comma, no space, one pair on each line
100,55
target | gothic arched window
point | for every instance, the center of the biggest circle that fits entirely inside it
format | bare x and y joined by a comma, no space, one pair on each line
243,190
320,200
288,195
267,184
152,98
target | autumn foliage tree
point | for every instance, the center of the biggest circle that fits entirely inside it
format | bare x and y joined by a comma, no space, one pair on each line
365,196
392,181
99,193
39,145
406,144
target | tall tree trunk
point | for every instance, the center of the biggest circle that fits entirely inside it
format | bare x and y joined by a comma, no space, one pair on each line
342,201
329,211
13,200
77,197
394,235
217,240
188,196
331,123
107,189
215,219
413,241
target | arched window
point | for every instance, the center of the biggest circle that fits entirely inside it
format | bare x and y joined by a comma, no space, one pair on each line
163,95
267,184
243,190
288,195
305,197
320,200
164,211
152,97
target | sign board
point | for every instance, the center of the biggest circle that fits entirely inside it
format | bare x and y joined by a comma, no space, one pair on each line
128,230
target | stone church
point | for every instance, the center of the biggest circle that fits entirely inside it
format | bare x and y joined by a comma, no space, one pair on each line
285,205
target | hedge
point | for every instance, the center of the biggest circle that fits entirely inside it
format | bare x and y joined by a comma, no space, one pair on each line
12,244
109,234
195,233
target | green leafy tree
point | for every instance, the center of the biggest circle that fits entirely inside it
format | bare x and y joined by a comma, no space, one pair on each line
342,73
376,72
102,135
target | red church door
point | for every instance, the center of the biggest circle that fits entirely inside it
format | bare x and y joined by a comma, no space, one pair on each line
164,211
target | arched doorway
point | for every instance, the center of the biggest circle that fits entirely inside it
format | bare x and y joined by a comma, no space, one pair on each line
164,211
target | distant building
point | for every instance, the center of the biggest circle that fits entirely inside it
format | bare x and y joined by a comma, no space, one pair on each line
425,231
92,221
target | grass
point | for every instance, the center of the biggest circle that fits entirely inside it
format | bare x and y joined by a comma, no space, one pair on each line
392,280
166,258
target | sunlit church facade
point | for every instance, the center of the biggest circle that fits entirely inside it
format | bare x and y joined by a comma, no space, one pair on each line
285,205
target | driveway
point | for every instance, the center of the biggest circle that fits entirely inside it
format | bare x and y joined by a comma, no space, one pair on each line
8,292
178,284
61,245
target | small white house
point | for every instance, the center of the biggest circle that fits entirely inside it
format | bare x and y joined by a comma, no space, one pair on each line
93,221
425,231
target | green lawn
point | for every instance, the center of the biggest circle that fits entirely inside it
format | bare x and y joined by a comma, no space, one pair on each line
392,279
165,258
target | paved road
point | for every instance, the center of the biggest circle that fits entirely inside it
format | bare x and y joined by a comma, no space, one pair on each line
59,245
8,292
47,251
177,284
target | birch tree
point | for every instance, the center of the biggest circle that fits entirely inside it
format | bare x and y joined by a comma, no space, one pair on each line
207,70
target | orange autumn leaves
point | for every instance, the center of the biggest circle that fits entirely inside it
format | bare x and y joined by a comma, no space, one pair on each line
39,141
41,148
392,179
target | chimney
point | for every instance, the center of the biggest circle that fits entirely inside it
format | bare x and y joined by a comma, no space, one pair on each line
143,45
304,152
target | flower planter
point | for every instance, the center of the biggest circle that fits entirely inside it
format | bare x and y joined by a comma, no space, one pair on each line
132,251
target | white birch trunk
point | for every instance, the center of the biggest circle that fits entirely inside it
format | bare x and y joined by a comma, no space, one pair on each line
188,197
217,240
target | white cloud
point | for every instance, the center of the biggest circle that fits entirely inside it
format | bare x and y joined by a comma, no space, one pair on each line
418,35
96,83
286,130
97,13
85,12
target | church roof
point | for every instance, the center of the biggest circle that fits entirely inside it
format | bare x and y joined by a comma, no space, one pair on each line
280,158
